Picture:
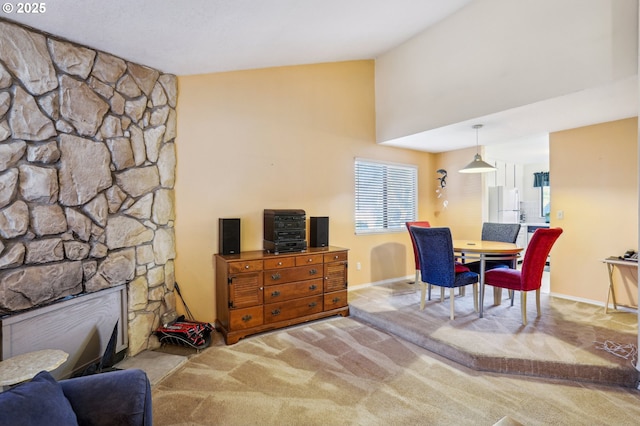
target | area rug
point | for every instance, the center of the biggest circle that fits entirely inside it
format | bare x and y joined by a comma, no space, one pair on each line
343,372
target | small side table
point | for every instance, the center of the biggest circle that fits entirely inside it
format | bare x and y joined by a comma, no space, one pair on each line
611,263
24,367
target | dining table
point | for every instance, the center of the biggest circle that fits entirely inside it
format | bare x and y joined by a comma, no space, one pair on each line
483,250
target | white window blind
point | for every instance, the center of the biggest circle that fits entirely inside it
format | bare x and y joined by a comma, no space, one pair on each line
386,196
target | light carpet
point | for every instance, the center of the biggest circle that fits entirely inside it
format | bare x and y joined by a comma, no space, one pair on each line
565,341
341,371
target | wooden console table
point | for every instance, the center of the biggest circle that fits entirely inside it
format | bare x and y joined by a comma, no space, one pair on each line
258,291
611,263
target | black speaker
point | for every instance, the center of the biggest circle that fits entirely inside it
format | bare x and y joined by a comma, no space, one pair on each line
319,232
229,236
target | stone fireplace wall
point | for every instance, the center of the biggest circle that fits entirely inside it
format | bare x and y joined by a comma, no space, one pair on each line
87,169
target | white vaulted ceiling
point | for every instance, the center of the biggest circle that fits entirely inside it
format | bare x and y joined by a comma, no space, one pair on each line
204,36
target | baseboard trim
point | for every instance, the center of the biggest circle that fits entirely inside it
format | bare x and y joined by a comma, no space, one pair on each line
592,302
383,282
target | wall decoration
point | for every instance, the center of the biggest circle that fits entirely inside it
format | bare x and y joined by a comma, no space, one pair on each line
443,184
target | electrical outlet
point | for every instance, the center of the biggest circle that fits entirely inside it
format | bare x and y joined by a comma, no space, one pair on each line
358,266
560,214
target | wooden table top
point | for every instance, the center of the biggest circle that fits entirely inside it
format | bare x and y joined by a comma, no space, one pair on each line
486,247
263,254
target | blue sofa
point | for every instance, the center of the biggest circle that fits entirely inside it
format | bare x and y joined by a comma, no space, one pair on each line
120,397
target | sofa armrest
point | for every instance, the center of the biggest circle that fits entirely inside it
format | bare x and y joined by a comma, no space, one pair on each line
120,397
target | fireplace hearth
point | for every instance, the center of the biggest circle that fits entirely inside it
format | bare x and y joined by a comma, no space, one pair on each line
81,326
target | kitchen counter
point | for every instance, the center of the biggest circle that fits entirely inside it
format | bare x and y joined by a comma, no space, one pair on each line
531,227
526,232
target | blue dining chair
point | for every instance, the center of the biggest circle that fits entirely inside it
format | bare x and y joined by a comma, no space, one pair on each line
437,265
423,224
503,232
459,266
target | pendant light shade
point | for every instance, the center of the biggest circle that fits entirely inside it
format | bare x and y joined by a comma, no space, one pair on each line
478,165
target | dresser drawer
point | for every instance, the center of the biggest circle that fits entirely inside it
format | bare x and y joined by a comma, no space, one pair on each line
335,300
246,318
335,257
275,312
283,292
246,266
300,273
311,259
282,262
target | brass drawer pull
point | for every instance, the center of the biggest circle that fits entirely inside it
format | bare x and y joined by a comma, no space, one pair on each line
246,266
313,271
310,260
247,318
279,263
275,294
336,300
312,304
313,287
275,312
275,276
336,257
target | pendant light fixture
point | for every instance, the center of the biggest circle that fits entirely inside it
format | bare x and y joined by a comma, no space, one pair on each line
477,165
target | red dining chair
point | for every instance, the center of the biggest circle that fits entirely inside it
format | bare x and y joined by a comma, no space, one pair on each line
530,276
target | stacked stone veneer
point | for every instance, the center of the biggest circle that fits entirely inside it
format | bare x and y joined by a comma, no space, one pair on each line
87,168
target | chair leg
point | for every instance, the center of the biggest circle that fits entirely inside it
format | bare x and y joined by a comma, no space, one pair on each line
523,308
497,296
441,294
512,295
538,301
461,292
475,297
423,291
429,290
451,296
417,280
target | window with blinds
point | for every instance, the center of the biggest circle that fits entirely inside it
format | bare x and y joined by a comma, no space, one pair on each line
386,196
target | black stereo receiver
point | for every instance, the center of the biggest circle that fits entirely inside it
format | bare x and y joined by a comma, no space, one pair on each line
285,230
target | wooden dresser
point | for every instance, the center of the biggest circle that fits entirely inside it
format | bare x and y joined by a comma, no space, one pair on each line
258,291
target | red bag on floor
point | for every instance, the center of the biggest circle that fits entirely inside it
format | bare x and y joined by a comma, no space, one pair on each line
186,333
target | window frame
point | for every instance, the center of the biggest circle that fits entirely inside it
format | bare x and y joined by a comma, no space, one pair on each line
545,198
388,216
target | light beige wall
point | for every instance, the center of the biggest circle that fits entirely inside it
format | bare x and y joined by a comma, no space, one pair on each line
594,182
463,213
280,138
